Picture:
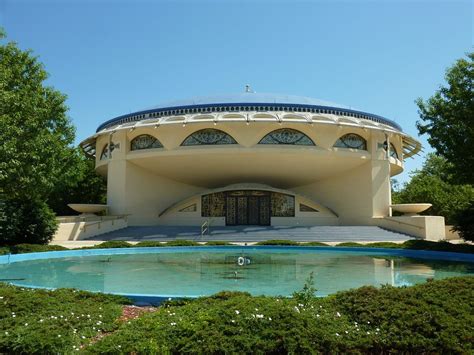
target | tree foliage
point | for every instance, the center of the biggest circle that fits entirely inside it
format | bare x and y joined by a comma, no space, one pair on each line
448,118
435,184
36,147
88,188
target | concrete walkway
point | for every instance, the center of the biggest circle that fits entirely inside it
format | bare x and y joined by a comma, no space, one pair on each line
253,234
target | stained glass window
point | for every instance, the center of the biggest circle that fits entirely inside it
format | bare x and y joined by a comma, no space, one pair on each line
393,151
105,152
306,208
286,136
191,208
208,136
351,140
213,205
145,141
282,205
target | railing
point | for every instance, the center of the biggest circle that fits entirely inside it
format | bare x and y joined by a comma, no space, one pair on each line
205,227
98,223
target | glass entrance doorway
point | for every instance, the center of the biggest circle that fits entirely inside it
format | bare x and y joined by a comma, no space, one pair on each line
248,208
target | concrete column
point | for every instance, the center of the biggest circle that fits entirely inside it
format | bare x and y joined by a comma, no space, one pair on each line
117,175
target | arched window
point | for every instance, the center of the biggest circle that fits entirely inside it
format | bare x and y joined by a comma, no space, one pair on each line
208,136
105,152
145,141
393,151
286,136
351,140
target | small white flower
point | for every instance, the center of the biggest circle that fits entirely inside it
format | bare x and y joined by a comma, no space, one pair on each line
368,333
83,337
260,316
1,297
317,315
6,333
237,312
256,309
338,314
233,321
14,315
377,329
347,332
300,304
26,324
173,323
337,334
59,335
269,318
368,322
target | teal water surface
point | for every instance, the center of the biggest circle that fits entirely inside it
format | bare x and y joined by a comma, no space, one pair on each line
197,273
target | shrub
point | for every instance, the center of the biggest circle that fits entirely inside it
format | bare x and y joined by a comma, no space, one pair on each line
112,244
26,221
149,244
217,243
350,244
277,242
465,223
438,246
181,243
314,244
435,317
40,321
34,248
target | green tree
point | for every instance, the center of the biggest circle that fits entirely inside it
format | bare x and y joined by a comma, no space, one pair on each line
36,148
435,184
448,118
89,188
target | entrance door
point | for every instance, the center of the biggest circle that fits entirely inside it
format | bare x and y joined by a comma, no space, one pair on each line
247,208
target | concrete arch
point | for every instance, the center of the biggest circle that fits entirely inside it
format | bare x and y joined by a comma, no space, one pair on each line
323,210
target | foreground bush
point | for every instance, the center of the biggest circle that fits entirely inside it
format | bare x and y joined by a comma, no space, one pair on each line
26,221
39,321
432,318
436,317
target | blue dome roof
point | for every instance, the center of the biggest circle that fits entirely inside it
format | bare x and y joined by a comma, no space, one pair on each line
248,98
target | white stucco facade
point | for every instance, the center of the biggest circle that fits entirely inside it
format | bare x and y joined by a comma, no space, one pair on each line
287,159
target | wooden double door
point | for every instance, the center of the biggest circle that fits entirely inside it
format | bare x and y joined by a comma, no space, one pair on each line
247,208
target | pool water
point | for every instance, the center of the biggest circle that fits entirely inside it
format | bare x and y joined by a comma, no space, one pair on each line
204,272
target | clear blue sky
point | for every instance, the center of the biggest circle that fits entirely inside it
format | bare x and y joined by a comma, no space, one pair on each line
114,57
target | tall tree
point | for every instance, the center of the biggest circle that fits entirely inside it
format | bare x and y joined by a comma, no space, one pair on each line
448,118
36,146
435,184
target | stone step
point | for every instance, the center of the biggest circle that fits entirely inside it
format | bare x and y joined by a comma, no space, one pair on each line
256,233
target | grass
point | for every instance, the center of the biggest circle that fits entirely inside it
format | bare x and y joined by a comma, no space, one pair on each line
431,318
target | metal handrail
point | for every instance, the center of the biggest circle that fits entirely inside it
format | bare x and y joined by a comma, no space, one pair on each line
112,219
205,228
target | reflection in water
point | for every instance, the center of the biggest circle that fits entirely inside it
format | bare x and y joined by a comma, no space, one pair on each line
203,272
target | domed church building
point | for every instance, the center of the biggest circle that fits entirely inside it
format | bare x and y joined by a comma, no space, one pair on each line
251,159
